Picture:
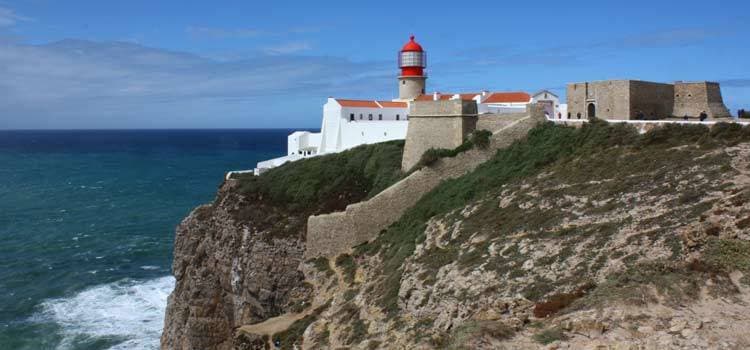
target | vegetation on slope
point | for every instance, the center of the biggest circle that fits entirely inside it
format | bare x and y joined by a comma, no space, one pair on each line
479,139
282,198
596,151
356,174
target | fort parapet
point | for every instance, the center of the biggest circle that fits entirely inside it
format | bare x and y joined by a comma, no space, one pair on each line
437,124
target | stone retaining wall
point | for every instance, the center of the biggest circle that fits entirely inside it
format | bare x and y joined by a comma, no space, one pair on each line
496,121
332,234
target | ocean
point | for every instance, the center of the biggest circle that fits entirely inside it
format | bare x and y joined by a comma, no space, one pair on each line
87,223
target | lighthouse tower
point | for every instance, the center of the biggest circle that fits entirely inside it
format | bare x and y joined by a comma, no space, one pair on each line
412,61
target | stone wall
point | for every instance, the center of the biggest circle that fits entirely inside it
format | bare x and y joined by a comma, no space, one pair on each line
497,121
437,124
611,99
654,100
625,99
332,234
693,98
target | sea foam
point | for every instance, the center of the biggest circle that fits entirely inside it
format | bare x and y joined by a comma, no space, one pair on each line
129,310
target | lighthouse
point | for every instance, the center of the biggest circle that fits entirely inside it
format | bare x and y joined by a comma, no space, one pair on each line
412,61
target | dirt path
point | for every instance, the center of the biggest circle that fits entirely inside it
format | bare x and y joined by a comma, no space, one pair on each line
276,324
281,323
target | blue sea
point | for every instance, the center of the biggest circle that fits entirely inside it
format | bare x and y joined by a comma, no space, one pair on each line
87,223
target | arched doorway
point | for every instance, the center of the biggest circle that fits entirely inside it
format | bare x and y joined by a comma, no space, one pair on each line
592,110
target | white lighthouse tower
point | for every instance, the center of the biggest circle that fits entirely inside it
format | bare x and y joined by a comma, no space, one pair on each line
412,60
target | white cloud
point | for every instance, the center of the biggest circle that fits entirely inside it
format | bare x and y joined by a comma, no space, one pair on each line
96,80
9,18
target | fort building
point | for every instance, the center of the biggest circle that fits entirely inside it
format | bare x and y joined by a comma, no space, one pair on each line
437,124
634,99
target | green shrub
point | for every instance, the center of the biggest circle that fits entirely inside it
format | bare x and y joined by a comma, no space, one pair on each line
465,335
328,181
550,335
479,139
349,268
728,255
321,264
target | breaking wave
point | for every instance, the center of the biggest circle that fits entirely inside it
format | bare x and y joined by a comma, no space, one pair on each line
128,314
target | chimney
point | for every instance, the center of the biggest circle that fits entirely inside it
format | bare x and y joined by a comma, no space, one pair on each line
435,96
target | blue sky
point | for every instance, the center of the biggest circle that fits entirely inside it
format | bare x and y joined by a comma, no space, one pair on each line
261,64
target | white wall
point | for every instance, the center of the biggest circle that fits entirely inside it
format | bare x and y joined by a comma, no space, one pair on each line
367,132
303,143
501,108
540,97
330,127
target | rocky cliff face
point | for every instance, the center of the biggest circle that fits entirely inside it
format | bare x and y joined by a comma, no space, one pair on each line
229,273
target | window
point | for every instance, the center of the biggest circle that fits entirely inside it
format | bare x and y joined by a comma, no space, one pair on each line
369,116
380,117
351,117
398,117
403,82
360,116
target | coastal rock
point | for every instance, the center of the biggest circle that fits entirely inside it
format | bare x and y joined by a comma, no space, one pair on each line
228,273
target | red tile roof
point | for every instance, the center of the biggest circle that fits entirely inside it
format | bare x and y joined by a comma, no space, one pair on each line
468,96
391,104
508,97
371,103
357,103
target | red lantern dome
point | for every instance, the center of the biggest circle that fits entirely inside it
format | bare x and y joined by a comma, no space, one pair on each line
412,59
412,45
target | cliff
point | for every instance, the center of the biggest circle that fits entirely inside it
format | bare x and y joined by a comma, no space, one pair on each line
236,260
568,238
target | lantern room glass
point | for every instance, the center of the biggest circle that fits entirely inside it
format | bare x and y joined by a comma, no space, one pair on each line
412,59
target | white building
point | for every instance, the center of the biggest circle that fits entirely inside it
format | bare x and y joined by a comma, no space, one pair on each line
346,124
551,103
350,123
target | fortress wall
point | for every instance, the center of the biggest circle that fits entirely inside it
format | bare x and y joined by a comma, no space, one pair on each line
437,124
654,100
611,98
693,98
333,234
576,100
497,121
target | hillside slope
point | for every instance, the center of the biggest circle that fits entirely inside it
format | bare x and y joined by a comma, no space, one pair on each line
569,238
575,237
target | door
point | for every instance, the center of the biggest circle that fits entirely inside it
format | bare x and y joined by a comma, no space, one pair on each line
592,110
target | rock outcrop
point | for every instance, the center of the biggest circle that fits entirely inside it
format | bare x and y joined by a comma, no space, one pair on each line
229,273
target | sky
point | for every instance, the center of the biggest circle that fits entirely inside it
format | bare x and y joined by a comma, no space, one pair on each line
93,64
